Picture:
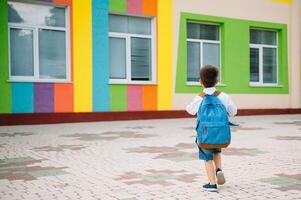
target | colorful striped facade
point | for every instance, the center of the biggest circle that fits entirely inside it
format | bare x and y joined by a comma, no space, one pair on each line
89,89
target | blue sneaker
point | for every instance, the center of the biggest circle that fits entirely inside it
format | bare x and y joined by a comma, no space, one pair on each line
209,187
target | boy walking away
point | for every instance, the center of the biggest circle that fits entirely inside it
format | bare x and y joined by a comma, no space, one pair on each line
213,131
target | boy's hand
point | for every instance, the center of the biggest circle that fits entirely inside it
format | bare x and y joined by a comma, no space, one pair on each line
202,94
233,124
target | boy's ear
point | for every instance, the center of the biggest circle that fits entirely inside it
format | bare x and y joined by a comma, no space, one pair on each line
201,82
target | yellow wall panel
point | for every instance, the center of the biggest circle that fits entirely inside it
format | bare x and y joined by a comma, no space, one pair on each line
283,1
82,44
165,55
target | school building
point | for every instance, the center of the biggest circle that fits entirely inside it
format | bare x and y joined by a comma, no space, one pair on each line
85,60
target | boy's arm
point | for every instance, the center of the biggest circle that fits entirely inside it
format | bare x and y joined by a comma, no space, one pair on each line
232,109
193,107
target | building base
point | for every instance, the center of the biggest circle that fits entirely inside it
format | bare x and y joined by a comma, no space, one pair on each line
53,118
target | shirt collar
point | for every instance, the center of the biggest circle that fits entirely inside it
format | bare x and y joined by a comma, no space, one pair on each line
209,90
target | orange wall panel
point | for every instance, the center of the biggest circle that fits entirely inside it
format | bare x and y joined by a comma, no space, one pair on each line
149,7
63,97
149,97
62,1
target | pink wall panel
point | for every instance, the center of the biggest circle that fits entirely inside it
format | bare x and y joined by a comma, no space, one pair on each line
134,97
134,6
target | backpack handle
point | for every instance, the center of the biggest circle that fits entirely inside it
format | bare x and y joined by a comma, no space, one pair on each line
216,93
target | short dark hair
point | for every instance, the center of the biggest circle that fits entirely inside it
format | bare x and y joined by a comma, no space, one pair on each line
209,75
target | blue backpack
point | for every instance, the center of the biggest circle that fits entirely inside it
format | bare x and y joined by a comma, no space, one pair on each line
213,129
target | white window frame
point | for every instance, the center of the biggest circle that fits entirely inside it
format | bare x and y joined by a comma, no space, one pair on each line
127,37
35,29
201,42
260,49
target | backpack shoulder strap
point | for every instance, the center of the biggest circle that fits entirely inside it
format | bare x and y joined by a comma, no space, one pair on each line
216,93
202,94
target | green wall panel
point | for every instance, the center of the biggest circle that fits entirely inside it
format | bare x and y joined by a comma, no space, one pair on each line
118,93
118,97
235,55
5,87
117,6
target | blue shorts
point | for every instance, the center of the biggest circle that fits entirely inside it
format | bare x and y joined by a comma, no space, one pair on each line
207,154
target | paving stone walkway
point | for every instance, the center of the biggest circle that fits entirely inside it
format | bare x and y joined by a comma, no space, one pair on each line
148,159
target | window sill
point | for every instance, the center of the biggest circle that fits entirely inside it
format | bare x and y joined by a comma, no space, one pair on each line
39,81
198,84
265,85
122,82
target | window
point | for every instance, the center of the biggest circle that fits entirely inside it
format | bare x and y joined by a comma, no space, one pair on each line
263,57
37,43
203,47
132,49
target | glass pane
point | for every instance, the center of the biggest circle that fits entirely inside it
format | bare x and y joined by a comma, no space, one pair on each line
263,37
117,58
139,25
193,30
15,12
269,65
202,31
53,16
211,54
52,52
209,32
36,14
118,23
21,52
193,61
141,59
254,65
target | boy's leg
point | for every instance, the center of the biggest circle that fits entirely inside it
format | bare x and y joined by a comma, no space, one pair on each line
217,160
207,156
209,166
218,169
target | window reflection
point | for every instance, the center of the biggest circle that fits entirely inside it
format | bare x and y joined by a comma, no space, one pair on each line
43,15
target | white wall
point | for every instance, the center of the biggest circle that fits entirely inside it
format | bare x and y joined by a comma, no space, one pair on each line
295,54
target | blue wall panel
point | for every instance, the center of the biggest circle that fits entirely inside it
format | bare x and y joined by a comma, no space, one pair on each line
100,59
22,98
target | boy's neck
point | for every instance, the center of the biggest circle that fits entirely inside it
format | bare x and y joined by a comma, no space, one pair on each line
209,90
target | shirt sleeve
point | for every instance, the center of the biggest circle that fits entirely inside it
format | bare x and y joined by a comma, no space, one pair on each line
193,107
232,109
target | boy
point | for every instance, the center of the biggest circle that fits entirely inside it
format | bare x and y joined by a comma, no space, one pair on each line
212,157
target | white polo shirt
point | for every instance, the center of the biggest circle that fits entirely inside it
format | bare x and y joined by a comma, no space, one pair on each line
226,100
